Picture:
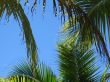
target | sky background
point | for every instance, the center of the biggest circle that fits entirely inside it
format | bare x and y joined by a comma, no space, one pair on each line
46,30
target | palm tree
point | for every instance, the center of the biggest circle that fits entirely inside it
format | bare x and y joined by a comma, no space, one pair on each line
91,16
76,64
88,17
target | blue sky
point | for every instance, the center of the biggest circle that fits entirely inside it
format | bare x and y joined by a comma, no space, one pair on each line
46,32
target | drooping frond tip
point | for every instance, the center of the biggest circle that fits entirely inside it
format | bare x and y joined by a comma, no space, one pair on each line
13,7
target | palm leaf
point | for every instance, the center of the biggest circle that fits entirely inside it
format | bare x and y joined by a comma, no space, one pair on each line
42,74
91,17
106,76
13,7
77,63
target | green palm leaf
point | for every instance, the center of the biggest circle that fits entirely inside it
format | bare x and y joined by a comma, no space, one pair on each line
106,76
13,7
91,17
77,63
42,74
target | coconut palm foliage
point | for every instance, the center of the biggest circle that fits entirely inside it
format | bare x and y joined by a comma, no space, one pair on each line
77,62
91,16
23,73
13,7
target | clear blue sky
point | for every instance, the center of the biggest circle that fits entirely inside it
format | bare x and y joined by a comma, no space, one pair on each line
46,33
45,30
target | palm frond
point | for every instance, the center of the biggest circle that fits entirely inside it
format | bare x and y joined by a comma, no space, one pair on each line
77,63
42,74
91,17
99,16
13,7
106,76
